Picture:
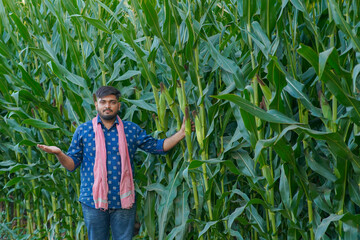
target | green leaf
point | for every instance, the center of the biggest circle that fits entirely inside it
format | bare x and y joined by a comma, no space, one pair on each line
123,46
333,83
4,50
198,163
149,212
330,58
153,21
246,164
231,166
75,101
321,166
323,58
195,164
206,228
38,124
268,16
7,163
13,182
71,7
335,141
41,53
310,55
320,231
28,142
270,116
354,192
17,167
168,195
226,64
141,57
284,188
142,104
351,222
257,220
151,17
16,111
284,150
238,211
3,16
249,9
298,5
343,25
52,111
125,76
79,227
355,75
296,90
34,85
246,123
22,29
96,23
170,23
66,75
260,39
182,212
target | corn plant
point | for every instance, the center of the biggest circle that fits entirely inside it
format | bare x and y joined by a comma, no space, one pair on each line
272,87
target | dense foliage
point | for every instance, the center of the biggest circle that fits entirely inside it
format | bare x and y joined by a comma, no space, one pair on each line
272,87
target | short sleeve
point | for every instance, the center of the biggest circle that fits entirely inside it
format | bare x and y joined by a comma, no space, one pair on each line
75,150
148,143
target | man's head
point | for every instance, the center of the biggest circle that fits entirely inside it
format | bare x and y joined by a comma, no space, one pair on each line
107,90
107,102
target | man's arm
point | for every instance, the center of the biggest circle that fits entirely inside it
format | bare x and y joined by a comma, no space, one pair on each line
170,142
64,159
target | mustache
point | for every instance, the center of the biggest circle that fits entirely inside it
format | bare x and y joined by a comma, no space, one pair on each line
108,109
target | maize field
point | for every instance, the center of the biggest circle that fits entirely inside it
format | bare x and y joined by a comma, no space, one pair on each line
272,87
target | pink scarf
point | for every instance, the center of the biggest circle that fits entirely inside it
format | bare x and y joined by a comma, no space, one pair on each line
100,187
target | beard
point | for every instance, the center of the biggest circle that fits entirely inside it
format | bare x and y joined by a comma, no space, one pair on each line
107,117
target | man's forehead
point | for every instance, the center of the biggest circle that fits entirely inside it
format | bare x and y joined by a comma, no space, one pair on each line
108,98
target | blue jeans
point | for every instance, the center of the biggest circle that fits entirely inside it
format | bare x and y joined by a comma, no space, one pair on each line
98,223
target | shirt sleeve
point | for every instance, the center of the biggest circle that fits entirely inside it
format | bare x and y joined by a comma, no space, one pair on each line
75,150
148,143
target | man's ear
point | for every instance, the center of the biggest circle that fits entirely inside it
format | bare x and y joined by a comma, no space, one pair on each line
119,106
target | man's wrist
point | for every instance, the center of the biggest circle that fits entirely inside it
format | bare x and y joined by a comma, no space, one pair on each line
182,134
58,154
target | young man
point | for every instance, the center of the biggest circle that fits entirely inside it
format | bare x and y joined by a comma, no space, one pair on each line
104,148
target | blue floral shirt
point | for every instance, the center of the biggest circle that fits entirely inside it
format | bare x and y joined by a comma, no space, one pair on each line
82,151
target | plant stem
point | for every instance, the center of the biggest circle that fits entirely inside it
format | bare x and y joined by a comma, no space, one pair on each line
17,212
7,204
310,212
68,207
203,130
29,223
265,169
303,117
53,203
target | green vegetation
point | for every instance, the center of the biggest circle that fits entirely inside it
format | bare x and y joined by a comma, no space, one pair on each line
272,86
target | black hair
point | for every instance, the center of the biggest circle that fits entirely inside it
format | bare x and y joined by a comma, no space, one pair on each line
106,91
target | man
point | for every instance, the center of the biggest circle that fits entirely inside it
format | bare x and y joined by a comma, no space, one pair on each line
105,148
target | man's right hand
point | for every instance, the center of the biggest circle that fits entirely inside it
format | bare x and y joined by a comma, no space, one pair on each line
50,149
64,159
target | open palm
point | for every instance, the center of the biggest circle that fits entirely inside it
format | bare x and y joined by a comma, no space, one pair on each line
49,149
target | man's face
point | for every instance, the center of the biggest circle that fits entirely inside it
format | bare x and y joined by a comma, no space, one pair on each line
107,107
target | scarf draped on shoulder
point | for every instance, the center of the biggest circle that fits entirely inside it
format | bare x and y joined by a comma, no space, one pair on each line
100,187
